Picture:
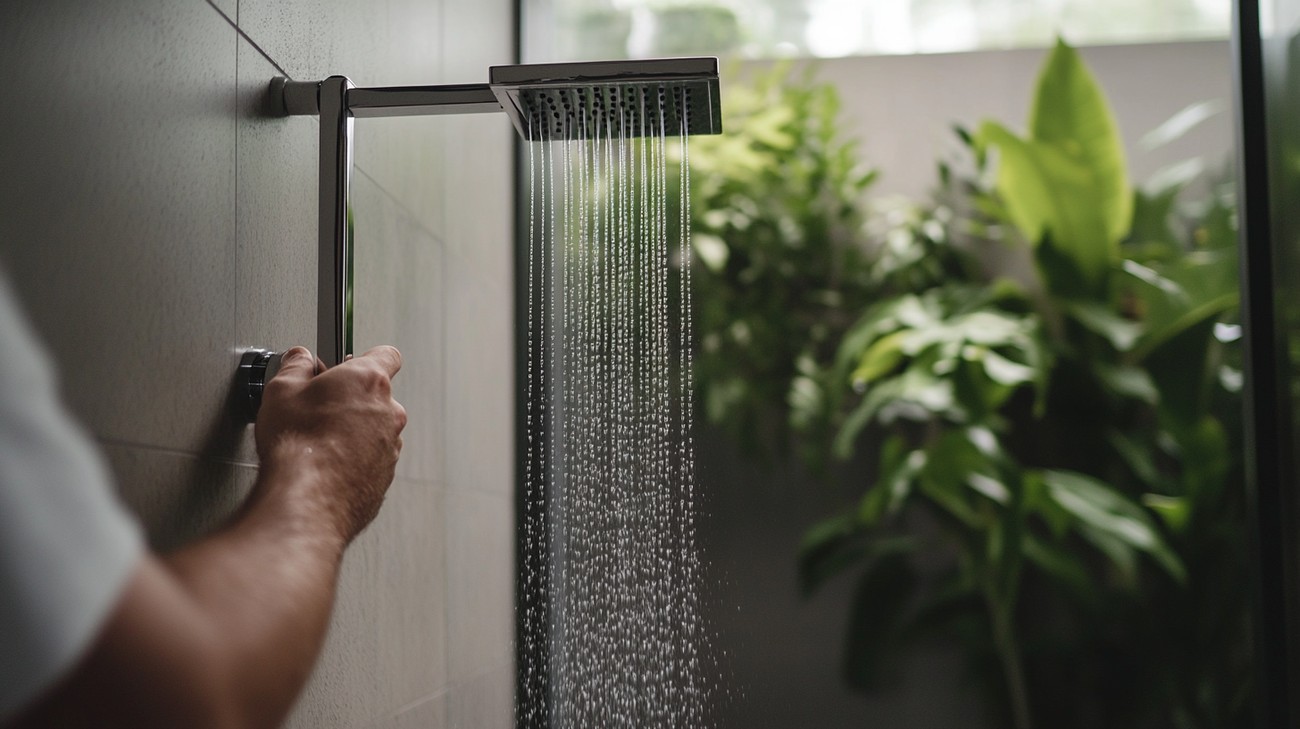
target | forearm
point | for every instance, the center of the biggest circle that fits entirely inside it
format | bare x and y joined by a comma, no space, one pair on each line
266,584
220,635
223,634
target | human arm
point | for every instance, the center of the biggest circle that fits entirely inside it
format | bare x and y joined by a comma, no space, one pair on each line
224,632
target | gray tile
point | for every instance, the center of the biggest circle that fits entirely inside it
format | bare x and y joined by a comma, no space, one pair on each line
474,37
405,156
480,582
163,222
388,42
478,224
487,702
178,498
230,8
412,559
479,210
275,288
397,300
119,193
375,43
387,643
479,404
478,229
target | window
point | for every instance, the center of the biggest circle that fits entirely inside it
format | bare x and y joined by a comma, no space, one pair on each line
589,29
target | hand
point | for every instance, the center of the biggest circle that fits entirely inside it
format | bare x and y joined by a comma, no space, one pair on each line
340,428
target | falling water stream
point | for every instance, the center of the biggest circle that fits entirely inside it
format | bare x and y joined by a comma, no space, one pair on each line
611,631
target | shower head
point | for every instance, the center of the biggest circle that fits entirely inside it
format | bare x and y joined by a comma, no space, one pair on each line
610,99
546,100
633,98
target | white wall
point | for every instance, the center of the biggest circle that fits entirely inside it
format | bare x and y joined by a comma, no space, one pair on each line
902,108
156,221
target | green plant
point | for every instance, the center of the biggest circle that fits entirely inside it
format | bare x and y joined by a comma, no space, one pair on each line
1069,439
784,258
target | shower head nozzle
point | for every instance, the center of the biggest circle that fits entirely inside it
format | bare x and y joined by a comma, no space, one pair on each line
609,98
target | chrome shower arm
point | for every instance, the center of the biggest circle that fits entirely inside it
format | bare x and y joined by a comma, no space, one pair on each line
566,96
339,102
303,98
422,100
334,234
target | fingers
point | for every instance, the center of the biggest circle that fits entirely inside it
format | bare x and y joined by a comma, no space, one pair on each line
388,358
400,416
296,364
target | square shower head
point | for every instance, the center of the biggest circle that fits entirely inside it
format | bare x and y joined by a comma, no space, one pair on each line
610,98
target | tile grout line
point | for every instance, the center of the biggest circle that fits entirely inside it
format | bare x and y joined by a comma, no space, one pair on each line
234,325
431,482
245,36
440,239
220,12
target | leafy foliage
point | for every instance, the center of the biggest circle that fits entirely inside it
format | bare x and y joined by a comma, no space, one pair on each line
1065,442
1067,183
780,239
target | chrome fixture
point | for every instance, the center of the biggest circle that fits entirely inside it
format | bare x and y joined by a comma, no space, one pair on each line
570,98
256,367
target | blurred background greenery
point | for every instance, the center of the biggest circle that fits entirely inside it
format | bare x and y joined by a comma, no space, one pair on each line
969,384
1034,375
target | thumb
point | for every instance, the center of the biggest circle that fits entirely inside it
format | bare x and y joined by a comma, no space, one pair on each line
297,364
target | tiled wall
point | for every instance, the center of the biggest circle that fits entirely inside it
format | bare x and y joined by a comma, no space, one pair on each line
156,221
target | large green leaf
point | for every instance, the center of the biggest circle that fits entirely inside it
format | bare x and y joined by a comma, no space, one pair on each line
959,357
1176,511
1113,523
1101,319
880,358
916,394
887,496
1049,192
1199,285
1068,179
1071,111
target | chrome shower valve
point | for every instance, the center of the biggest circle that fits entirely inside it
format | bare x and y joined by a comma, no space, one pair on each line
256,368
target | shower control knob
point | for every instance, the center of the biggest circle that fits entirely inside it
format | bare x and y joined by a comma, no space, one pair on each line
256,368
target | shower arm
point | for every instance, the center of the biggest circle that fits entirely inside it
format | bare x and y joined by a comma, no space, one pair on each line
558,92
338,102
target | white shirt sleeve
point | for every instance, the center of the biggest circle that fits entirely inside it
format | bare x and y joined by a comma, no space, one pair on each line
67,546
